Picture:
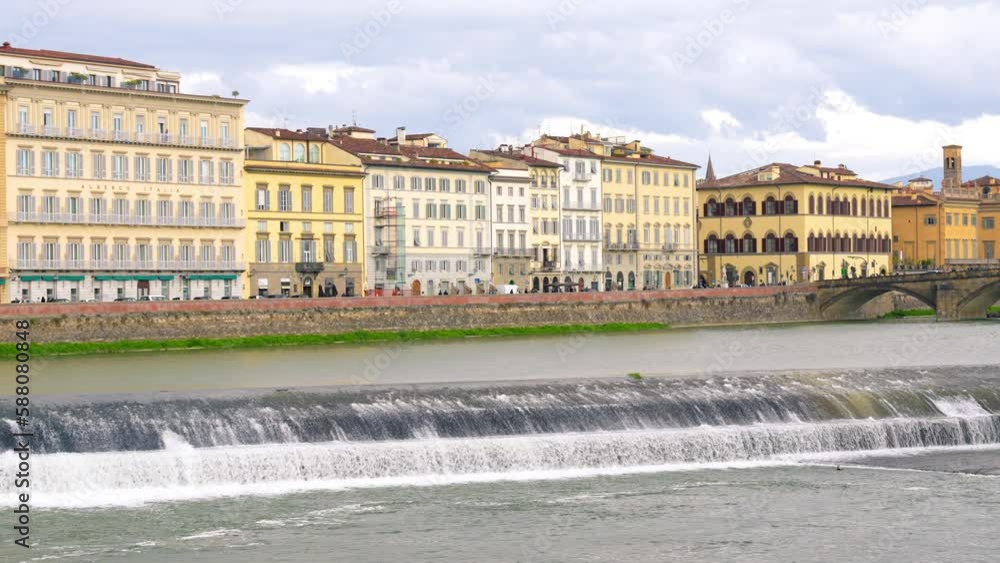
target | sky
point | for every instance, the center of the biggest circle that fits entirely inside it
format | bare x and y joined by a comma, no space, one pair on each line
877,85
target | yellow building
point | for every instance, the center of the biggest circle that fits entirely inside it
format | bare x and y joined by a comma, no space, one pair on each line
305,215
955,227
781,224
648,213
117,184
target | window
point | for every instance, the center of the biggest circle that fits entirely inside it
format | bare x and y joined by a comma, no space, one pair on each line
226,173
327,200
164,211
378,182
931,220
50,163
142,168
307,195
480,187
119,167
300,152
25,162
989,223
284,198
430,184
285,250
263,199
398,182
328,254
185,171
205,175
74,165
163,170
460,186
284,152
445,185
349,200
228,213
314,153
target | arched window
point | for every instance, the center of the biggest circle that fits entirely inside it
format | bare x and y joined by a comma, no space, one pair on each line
828,243
864,207
812,207
878,208
730,244
749,244
284,152
730,207
300,152
829,210
770,206
771,243
314,153
791,242
854,206
749,207
711,208
791,206
886,207
712,245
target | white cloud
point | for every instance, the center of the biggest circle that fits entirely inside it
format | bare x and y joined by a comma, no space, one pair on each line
719,119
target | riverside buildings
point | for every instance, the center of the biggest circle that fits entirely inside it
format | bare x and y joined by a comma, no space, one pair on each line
954,227
116,183
782,223
305,215
427,215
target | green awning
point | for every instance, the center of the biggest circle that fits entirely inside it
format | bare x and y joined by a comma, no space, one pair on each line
165,278
72,278
103,278
30,278
146,278
3,281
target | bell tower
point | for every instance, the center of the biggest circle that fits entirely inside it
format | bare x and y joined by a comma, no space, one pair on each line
952,168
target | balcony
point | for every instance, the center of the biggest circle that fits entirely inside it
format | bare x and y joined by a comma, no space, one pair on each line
514,252
581,206
549,266
142,137
582,176
129,265
379,250
583,237
125,220
482,251
309,267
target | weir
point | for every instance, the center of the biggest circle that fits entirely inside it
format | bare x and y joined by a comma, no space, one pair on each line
180,448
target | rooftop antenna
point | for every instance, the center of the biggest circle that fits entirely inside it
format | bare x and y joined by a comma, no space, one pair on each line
354,117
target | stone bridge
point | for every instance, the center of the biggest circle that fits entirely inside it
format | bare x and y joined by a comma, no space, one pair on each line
955,296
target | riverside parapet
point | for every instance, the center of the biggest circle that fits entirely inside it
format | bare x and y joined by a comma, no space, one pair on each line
109,322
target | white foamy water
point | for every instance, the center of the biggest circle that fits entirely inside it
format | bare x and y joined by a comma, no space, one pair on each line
180,472
963,407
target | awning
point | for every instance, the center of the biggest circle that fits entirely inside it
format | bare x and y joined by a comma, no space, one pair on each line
3,281
145,278
30,278
165,278
262,283
72,278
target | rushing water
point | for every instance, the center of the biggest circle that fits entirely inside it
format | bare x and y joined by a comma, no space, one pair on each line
810,443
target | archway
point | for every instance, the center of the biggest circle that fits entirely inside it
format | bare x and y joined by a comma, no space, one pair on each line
979,303
621,282
546,285
307,287
851,301
608,281
415,288
631,281
750,278
580,284
535,285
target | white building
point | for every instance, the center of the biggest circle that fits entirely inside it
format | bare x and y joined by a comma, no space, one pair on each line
580,213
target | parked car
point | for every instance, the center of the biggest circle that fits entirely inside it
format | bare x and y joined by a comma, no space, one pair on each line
125,300
58,300
152,298
231,298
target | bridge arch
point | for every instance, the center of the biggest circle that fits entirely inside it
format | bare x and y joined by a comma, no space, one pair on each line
978,302
846,303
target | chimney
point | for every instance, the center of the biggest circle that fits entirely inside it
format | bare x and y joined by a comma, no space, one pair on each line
277,132
401,136
818,163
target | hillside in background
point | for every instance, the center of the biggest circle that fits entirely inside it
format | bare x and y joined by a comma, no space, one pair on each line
937,174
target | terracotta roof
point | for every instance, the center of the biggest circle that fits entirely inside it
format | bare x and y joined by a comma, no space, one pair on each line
984,181
914,199
840,170
579,153
530,160
921,179
415,156
288,134
652,159
789,175
7,49
418,136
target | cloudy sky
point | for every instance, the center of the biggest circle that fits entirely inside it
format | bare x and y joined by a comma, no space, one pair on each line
877,85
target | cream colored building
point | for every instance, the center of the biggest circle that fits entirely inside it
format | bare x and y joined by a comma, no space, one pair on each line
427,214
117,183
305,215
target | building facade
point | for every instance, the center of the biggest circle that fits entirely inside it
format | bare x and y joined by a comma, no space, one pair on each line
428,217
118,185
954,227
305,215
782,224
582,259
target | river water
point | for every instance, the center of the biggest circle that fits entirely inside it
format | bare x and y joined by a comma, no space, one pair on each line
873,442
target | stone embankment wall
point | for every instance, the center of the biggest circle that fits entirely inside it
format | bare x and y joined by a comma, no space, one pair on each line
90,322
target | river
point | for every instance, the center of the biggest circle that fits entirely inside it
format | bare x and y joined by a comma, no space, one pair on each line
852,441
